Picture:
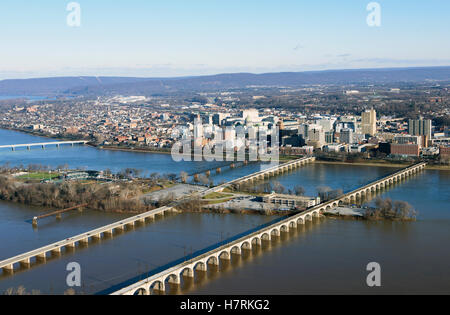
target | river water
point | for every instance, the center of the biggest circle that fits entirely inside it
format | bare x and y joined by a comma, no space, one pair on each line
326,256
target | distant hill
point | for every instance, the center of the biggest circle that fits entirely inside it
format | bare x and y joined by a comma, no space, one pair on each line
72,86
57,85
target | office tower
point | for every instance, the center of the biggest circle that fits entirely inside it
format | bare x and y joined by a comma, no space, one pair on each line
369,122
346,136
317,135
419,127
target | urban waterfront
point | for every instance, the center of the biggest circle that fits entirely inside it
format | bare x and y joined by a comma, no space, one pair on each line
326,257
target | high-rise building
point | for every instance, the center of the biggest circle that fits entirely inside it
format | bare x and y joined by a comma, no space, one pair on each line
369,122
346,136
198,131
419,127
317,135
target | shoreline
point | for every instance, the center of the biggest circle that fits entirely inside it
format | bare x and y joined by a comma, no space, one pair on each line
281,159
138,150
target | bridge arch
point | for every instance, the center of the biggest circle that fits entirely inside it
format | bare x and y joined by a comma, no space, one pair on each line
225,255
301,220
141,291
235,250
172,278
284,228
187,272
275,232
157,286
246,245
266,237
213,260
200,266
256,241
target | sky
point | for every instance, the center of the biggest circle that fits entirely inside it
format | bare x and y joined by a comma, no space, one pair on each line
165,38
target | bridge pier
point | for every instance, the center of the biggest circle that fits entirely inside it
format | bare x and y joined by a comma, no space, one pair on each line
56,251
84,241
141,221
26,263
71,246
41,257
8,269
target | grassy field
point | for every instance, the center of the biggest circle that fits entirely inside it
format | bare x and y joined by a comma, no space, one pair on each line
39,175
216,195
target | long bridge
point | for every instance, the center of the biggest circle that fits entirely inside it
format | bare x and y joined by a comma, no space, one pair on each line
266,173
173,275
40,254
43,145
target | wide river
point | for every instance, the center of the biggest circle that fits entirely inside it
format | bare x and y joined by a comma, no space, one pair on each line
326,256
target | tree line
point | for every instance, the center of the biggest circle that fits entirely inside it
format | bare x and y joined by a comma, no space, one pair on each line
386,209
121,196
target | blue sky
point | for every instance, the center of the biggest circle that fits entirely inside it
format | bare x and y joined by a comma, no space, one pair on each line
192,37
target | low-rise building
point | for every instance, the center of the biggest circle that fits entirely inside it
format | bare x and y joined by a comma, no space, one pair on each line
405,149
290,201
